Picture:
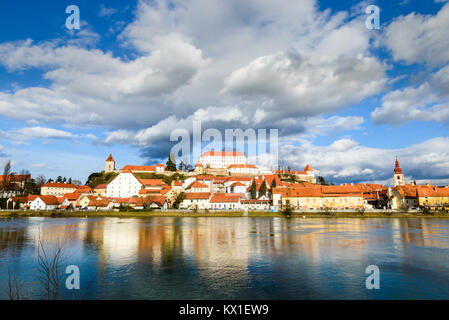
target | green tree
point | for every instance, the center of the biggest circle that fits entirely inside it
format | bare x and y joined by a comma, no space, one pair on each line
59,179
178,200
70,180
322,181
6,174
253,190
171,165
273,185
263,189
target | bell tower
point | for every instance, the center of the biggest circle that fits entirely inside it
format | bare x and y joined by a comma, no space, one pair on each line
398,177
110,164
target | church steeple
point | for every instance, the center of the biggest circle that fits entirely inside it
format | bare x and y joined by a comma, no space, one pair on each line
110,164
398,175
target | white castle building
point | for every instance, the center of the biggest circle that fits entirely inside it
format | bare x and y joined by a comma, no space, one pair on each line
221,159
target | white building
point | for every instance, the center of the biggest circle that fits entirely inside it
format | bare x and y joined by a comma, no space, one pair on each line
197,186
125,185
245,169
195,200
44,203
225,201
222,159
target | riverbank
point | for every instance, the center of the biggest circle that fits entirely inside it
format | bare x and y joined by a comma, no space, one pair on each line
143,213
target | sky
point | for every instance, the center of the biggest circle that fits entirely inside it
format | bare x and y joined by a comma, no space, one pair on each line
345,99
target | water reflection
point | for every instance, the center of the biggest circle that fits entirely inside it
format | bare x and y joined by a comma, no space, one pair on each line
237,258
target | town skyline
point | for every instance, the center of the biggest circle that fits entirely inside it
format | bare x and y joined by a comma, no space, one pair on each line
346,99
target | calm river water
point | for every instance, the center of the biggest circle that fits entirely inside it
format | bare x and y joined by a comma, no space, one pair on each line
232,258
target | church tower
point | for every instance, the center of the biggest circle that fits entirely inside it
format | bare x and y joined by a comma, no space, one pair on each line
110,164
398,176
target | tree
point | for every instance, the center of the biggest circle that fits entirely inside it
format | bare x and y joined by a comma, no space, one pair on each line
70,180
171,165
253,190
6,174
30,187
182,166
322,181
64,180
59,179
263,189
273,185
178,200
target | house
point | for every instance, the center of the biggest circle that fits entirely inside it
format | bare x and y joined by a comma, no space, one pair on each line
13,184
434,198
124,185
242,169
47,202
225,201
195,200
16,202
84,201
57,189
405,196
318,197
64,204
263,203
84,190
151,202
72,198
101,190
308,174
100,204
196,187
236,187
152,184
159,168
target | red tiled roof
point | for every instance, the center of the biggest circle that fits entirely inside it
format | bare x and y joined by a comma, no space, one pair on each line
15,177
225,197
238,184
196,195
72,196
110,158
151,182
60,185
397,169
139,168
308,168
101,186
199,164
49,200
197,184
177,183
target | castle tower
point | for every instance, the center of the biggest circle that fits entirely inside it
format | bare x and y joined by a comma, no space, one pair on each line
110,164
398,177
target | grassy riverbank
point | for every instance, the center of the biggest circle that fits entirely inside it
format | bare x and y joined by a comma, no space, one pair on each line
143,213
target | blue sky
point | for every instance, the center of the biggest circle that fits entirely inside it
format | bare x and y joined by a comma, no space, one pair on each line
345,99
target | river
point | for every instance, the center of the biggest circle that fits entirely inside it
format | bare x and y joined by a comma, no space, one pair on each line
231,258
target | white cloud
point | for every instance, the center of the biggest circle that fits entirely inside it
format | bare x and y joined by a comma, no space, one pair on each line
288,83
427,102
29,133
106,12
418,38
345,160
